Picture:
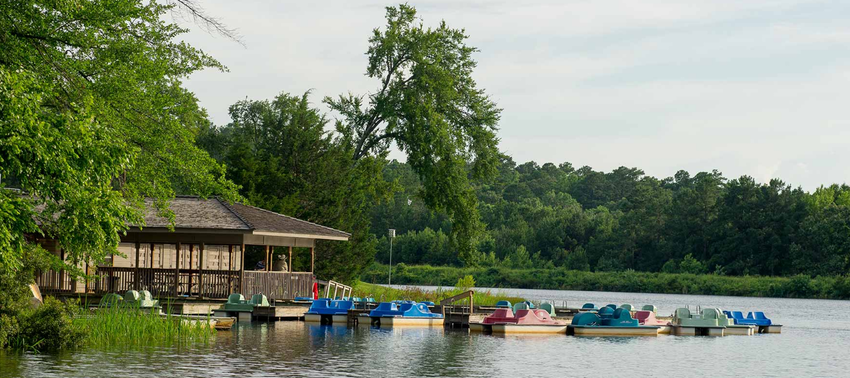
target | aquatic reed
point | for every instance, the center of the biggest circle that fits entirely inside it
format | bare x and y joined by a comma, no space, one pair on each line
133,326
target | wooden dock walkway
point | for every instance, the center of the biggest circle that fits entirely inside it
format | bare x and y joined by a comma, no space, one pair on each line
280,312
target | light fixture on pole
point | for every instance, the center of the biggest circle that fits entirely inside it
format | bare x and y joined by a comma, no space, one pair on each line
392,235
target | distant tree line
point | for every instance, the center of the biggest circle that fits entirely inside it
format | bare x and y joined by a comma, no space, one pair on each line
556,216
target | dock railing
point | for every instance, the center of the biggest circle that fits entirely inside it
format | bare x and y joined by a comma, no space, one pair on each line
346,290
451,302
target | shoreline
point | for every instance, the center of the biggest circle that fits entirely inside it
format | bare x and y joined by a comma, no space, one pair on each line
800,286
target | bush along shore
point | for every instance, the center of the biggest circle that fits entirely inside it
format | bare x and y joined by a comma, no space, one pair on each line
799,286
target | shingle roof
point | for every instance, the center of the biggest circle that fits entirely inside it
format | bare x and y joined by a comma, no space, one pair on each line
267,221
194,212
213,213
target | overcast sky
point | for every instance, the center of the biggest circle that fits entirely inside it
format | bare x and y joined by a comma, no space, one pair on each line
756,87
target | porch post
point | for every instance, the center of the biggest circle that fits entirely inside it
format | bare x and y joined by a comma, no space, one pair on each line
62,270
242,271
152,247
136,273
230,257
312,259
177,270
201,270
268,268
73,280
191,266
290,258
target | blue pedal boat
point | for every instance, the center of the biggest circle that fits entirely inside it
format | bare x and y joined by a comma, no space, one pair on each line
391,314
329,311
754,318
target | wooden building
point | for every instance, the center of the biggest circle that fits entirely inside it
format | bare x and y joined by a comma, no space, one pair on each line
204,255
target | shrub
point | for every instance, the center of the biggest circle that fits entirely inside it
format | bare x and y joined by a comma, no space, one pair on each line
49,327
691,265
465,283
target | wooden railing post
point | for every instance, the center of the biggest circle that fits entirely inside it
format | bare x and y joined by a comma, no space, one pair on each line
110,282
201,271
136,273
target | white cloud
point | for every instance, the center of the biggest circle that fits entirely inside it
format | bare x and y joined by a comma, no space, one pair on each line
752,87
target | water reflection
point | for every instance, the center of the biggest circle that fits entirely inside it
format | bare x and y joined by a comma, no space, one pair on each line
813,343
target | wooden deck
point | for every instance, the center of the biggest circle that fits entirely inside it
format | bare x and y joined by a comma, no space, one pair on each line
280,312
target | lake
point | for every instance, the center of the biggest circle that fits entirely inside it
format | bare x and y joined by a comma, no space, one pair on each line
815,341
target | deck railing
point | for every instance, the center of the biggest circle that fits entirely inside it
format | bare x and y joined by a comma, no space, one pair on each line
52,282
206,283
278,285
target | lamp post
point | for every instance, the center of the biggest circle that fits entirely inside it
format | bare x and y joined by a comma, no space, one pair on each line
392,235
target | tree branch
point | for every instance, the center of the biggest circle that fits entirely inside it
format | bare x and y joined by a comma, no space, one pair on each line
375,120
207,22
375,141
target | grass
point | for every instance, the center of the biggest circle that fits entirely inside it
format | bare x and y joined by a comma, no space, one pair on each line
383,293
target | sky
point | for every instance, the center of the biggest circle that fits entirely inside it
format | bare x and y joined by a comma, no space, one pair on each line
747,87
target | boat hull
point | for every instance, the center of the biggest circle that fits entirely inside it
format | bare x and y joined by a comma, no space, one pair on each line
698,331
509,329
774,328
406,322
614,331
326,319
480,327
740,330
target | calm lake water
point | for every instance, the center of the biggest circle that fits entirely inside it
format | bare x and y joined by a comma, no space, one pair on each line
815,341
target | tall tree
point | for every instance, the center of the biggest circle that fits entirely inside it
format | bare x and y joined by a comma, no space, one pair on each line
93,119
429,106
758,224
694,213
285,160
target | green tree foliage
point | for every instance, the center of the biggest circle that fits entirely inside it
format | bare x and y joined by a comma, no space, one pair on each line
757,225
547,215
285,160
694,213
428,105
93,119
823,245
465,283
796,286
